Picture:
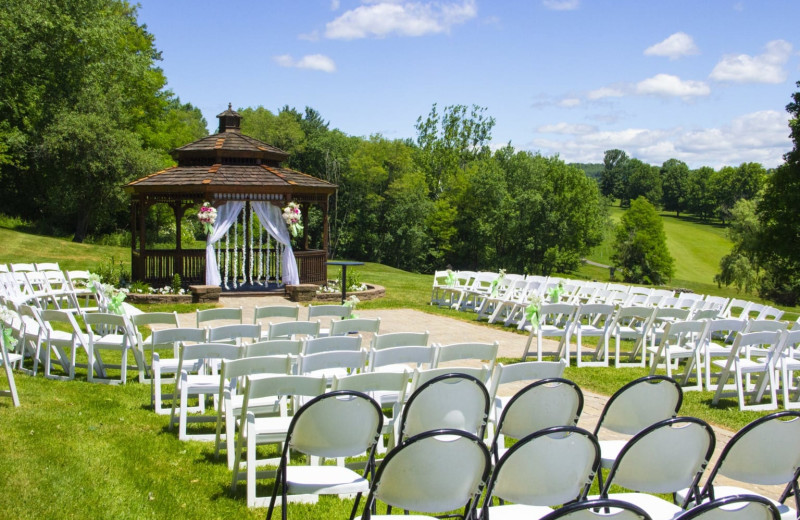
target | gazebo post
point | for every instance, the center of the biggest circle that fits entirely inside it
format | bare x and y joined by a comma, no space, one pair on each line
142,238
325,230
304,208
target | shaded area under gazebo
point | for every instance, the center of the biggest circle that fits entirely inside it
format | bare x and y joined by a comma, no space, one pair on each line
228,167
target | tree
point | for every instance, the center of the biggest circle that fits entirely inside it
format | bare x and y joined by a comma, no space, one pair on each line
700,198
611,182
450,141
674,185
779,215
740,267
641,180
641,252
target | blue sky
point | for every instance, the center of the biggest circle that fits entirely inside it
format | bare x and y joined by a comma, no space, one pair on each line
704,81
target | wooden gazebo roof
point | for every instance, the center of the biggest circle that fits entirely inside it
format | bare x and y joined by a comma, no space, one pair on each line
229,162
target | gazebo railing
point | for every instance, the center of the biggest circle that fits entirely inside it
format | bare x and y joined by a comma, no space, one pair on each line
158,266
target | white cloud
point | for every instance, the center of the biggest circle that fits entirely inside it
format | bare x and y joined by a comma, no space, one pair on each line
561,5
569,102
309,61
668,85
605,92
566,129
764,68
758,137
386,18
675,46
335,5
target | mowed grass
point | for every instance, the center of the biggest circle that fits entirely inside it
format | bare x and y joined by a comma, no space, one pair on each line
29,248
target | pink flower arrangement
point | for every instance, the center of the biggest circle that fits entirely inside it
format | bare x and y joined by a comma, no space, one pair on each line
292,216
207,215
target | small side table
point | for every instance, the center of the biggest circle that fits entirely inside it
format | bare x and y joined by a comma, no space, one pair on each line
344,264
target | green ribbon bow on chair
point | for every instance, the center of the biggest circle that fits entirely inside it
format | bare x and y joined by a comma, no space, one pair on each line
532,315
450,280
554,293
9,341
115,302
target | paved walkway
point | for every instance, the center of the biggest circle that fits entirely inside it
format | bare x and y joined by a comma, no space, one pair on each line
447,330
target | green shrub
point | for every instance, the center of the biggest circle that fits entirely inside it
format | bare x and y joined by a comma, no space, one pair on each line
176,283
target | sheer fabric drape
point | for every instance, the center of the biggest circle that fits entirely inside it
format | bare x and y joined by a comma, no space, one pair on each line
226,216
270,217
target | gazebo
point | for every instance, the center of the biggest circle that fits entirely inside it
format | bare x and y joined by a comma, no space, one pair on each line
249,246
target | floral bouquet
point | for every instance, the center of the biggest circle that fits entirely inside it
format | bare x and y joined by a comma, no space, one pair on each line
292,216
351,302
6,318
207,216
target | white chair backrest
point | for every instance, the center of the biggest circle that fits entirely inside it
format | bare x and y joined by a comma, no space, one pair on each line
467,351
274,347
640,403
371,382
291,312
156,318
333,311
344,423
342,327
665,457
351,360
240,332
331,343
546,468
765,326
47,266
400,339
461,468
455,401
528,371
543,404
227,314
415,357
290,329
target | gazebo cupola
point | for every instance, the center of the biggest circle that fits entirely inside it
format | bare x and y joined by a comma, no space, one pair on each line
235,173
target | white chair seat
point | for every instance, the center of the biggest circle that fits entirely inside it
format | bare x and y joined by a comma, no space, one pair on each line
202,382
657,508
324,480
609,452
518,511
786,512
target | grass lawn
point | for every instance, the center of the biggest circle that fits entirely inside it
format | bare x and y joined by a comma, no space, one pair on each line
80,450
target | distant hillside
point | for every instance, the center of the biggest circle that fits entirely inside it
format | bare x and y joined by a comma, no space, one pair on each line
592,170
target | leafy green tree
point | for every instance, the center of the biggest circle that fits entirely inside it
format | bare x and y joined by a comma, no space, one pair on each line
674,185
700,197
641,180
779,214
740,267
641,253
611,178
449,141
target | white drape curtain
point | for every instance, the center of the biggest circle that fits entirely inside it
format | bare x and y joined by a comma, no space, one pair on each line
270,217
226,216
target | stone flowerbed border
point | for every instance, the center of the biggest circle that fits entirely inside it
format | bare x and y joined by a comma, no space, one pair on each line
208,294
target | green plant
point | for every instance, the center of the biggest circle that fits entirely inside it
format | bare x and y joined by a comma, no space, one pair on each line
176,283
113,272
139,287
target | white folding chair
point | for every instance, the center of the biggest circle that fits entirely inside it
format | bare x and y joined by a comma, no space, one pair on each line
544,469
633,408
148,319
79,289
200,382
716,343
528,371
7,359
343,423
378,385
789,364
330,312
400,339
331,343
171,338
231,382
275,347
631,323
543,404
449,469
258,430
272,313
738,367
458,401
680,340
663,458
115,333
62,345
555,321
765,452
332,363
592,320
